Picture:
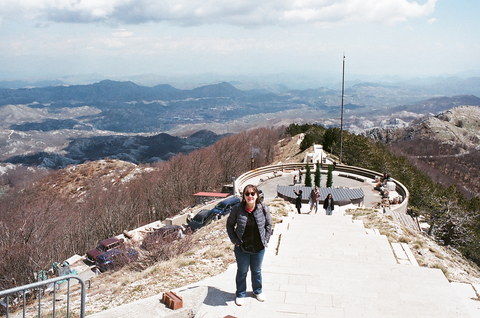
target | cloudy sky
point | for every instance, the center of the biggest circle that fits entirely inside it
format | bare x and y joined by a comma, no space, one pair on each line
51,38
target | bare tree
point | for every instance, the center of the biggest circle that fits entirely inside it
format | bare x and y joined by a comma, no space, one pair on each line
45,223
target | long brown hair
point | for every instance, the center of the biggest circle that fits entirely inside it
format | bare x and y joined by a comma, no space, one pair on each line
247,189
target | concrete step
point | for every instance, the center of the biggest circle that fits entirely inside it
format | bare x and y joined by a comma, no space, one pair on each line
404,219
331,267
324,237
337,273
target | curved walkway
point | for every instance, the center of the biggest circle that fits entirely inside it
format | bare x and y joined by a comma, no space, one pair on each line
268,183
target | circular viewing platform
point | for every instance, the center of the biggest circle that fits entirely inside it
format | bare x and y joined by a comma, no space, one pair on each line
342,196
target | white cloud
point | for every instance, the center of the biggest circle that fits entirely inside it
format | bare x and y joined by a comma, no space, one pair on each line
432,21
122,33
234,12
82,10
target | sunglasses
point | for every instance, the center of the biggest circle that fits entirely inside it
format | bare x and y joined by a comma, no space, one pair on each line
252,194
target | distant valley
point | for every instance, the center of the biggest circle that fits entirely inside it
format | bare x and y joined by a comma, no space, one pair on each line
135,149
59,125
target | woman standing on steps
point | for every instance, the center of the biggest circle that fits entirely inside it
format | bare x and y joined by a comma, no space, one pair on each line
314,198
298,200
329,204
249,227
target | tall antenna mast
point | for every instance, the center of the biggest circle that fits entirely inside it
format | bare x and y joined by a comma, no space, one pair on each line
341,118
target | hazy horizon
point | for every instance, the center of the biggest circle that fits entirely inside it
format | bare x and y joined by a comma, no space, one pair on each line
184,39
241,81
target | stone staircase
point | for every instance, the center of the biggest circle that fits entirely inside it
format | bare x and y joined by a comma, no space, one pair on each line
320,266
404,219
328,266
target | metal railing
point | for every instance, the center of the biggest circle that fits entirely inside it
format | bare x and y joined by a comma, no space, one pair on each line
39,285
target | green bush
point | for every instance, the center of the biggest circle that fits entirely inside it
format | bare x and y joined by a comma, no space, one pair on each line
308,176
330,176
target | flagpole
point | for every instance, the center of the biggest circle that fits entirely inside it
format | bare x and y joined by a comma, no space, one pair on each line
341,118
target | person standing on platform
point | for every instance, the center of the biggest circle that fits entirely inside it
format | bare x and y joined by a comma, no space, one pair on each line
298,200
314,198
329,204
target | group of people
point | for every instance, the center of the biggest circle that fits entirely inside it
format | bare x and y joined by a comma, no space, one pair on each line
299,180
382,186
328,203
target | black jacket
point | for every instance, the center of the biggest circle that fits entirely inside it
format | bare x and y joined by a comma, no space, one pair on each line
238,219
325,204
298,199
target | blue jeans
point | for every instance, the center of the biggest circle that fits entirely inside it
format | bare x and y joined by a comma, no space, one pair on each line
245,261
329,210
314,204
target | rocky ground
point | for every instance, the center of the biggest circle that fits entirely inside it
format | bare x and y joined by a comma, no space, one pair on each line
459,125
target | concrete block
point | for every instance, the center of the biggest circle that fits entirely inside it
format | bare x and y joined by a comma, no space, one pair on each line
172,300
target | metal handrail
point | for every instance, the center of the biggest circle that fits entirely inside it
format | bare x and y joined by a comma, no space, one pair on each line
25,288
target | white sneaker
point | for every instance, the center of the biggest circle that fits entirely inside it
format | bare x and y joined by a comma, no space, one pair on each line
239,301
260,297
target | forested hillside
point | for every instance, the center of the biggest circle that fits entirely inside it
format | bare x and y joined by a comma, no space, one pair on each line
454,219
446,146
68,211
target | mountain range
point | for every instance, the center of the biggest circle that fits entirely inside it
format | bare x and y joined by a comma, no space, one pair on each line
136,149
87,122
163,107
